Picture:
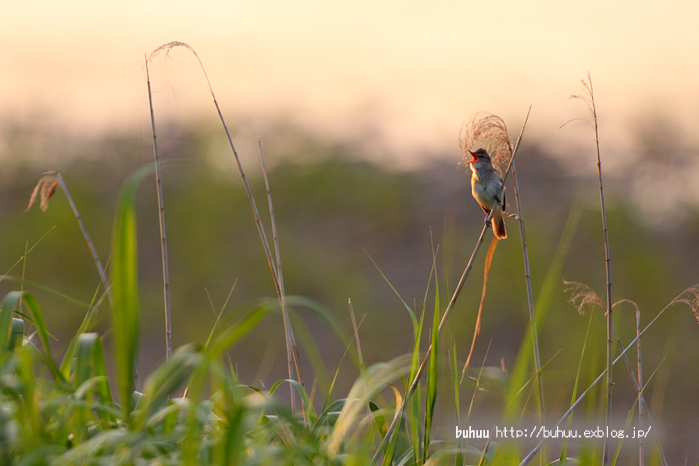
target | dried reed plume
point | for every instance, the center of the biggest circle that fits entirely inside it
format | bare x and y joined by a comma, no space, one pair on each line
44,190
692,300
489,131
582,296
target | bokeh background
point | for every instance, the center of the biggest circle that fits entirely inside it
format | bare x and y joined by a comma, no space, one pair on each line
358,109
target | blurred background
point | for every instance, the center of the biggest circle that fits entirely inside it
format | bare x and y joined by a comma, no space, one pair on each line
358,109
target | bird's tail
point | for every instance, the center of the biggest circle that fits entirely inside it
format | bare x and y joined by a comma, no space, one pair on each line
498,225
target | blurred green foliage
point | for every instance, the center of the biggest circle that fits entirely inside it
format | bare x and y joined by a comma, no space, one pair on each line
334,209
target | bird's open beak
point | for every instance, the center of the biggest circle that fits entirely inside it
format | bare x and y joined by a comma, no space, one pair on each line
475,159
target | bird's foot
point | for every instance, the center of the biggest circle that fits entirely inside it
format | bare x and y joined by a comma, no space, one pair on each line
488,223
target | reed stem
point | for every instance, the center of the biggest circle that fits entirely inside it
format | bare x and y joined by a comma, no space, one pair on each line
288,331
163,240
292,351
610,324
530,297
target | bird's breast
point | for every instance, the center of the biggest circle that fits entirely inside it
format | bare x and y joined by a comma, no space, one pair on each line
485,190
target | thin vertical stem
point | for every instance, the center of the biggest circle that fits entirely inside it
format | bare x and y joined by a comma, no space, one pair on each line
610,325
292,351
639,372
24,271
356,336
530,297
163,240
641,398
361,362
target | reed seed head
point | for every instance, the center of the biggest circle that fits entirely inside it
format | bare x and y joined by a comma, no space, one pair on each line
43,190
487,131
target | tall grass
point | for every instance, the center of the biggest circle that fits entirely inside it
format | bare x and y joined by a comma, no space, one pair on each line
530,298
275,269
690,296
66,411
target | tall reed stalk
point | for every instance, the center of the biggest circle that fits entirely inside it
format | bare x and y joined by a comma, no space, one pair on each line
292,351
588,97
530,298
163,240
639,372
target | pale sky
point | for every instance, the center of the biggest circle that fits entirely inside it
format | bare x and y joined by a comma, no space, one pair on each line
408,71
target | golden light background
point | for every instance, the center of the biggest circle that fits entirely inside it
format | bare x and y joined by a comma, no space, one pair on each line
405,73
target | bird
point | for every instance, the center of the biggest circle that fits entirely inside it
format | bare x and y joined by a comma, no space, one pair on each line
486,183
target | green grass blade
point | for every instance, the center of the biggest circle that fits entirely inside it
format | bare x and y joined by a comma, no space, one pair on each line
9,302
84,359
376,378
337,372
124,287
37,315
166,379
327,316
459,460
103,391
564,446
16,334
307,404
413,318
304,336
238,330
432,374
414,402
85,326
38,286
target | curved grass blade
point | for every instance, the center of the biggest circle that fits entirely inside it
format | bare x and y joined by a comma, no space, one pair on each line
38,286
237,331
83,363
413,317
305,399
85,326
16,334
37,315
7,306
166,379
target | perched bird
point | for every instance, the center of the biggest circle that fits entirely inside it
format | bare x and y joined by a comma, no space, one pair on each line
485,186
